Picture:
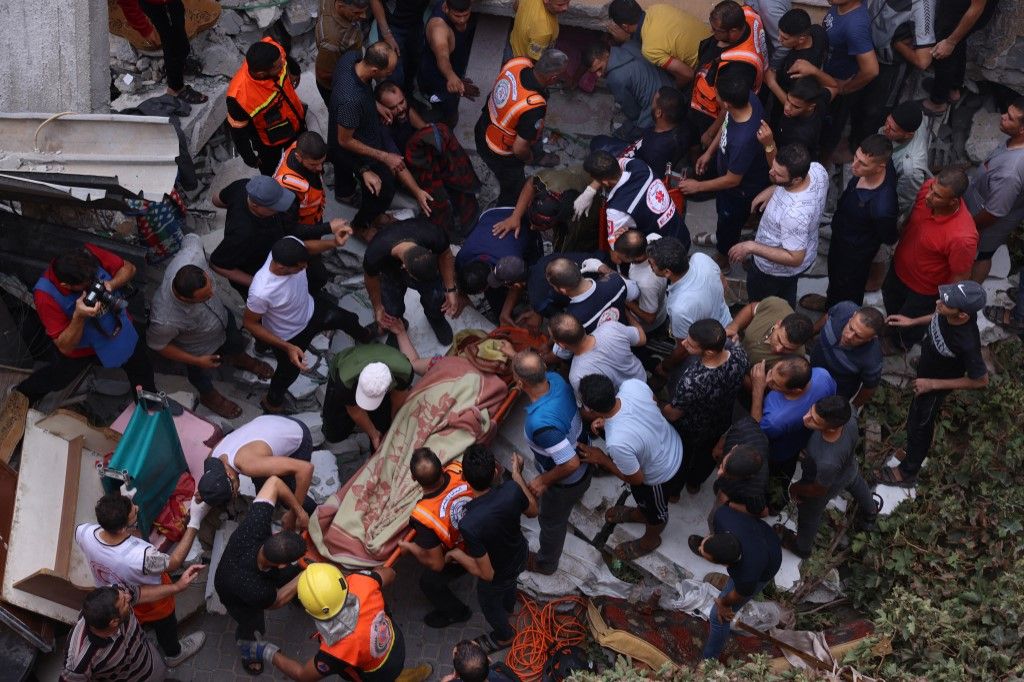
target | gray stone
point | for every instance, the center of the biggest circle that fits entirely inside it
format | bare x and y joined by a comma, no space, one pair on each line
264,16
230,23
121,49
300,15
143,63
997,51
126,83
221,59
985,136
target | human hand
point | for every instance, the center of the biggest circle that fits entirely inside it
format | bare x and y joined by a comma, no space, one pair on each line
530,320
389,38
765,135
424,199
732,333
389,322
801,68
296,356
375,439
454,85
581,206
725,612
922,386
689,185
454,302
759,375
197,511
898,321
394,162
707,138
703,162
537,487
591,266
517,463
83,310
597,425
617,33
741,251
341,230
372,182
208,361
189,576
943,48
503,227
469,89
385,114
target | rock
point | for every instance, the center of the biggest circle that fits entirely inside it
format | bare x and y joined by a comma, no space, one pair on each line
303,387
321,343
143,63
264,16
315,423
126,83
221,59
187,399
985,136
300,15
230,23
121,49
997,51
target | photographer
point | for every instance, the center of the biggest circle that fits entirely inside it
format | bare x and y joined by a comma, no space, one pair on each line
78,303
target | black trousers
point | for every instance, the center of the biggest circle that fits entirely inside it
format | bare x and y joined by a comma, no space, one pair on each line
436,587
877,99
848,270
250,619
166,631
63,370
169,21
698,463
761,285
346,174
510,171
338,424
899,299
924,410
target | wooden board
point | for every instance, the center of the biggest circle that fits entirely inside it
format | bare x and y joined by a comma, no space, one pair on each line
12,423
69,425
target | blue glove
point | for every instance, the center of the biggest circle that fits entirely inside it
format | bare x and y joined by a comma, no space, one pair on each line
257,651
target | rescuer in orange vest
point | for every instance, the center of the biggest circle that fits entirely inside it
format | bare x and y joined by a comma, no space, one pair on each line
301,171
436,522
264,112
508,134
358,639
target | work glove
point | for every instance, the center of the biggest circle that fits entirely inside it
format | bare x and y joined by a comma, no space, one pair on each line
591,266
196,513
581,206
258,651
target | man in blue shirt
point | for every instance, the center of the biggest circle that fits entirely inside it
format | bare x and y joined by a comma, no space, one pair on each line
553,427
848,347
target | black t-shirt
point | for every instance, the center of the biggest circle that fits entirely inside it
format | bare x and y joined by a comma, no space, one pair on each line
542,297
753,491
353,106
531,120
866,218
407,13
378,259
658,150
815,54
805,130
760,549
239,580
490,526
951,350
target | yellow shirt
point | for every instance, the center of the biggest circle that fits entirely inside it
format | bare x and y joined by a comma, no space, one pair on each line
670,33
534,30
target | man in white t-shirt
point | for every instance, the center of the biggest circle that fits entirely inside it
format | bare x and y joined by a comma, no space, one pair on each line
786,243
607,350
644,450
281,313
631,249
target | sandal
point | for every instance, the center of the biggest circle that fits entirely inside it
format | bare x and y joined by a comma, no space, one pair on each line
252,660
1004,318
250,364
490,644
190,95
889,476
628,551
788,538
220,405
620,514
271,409
547,160
706,239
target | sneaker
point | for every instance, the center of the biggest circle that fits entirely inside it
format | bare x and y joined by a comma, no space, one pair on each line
420,673
190,646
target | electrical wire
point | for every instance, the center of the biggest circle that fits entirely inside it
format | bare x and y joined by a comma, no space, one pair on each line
541,630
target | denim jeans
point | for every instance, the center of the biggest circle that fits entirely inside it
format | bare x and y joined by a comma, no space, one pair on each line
924,410
498,600
718,633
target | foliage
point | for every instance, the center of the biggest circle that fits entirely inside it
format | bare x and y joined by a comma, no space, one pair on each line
758,669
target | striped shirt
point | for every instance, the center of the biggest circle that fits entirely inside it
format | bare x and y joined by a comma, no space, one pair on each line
553,427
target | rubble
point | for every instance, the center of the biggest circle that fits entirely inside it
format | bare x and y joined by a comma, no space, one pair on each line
221,59
300,16
984,137
264,16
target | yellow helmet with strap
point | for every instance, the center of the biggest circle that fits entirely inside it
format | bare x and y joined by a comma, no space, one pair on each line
322,590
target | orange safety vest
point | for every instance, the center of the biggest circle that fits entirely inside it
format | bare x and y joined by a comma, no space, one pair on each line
274,108
442,512
368,646
150,612
311,199
508,101
753,51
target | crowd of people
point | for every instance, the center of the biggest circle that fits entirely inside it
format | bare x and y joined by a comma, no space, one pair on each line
650,376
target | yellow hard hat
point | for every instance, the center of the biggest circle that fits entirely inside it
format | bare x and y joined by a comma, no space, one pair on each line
322,590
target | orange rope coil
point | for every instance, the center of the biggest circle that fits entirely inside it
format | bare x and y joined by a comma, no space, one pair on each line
539,630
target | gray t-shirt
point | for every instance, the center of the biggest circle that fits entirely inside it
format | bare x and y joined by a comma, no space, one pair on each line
833,465
611,356
998,187
639,438
196,328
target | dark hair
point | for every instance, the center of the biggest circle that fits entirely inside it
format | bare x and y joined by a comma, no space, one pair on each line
76,267
459,5
472,277
709,334
563,273
670,101
743,461
261,56
188,280
953,178
378,55
100,607
112,512
795,22
284,547
723,548
566,329
1017,104
421,263
807,89
795,158
799,328
289,251
593,52
625,12
478,467
529,367
834,410
876,146
872,318
602,166
470,662
311,145
597,393
729,14
796,370
631,244
733,87
425,467
385,87
668,253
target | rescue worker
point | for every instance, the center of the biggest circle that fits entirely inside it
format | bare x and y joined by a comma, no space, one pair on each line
264,111
435,518
637,198
358,639
509,131
301,171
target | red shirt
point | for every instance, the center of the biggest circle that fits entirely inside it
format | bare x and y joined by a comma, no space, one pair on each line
52,315
933,248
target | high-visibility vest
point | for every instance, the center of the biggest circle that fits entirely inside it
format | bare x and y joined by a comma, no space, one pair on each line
274,108
368,646
442,513
311,199
753,51
508,101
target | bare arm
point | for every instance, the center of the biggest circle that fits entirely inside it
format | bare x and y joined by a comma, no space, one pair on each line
680,71
867,71
233,275
522,149
517,475
152,593
968,21
251,322
122,276
177,557
918,57
261,465
286,593
741,320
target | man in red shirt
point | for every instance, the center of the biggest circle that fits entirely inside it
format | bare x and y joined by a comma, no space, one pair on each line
85,335
938,246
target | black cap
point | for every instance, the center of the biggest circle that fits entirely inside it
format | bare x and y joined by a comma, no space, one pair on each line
215,486
908,115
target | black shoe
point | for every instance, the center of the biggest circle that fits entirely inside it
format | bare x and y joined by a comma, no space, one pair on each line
442,330
694,541
442,619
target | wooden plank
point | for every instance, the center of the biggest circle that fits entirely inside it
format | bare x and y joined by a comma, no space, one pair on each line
66,529
69,425
8,489
53,587
12,424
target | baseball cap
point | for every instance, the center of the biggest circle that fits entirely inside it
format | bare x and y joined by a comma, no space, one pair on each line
373,385
266,192
215,486
508,269
968,296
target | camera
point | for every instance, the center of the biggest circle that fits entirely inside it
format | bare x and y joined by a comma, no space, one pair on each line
97,294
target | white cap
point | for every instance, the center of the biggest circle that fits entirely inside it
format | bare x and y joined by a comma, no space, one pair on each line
374,382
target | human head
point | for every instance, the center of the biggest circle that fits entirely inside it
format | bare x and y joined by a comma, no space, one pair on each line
789,333
903,121
667,105
794,25
669,256
283,548
472,277
721,548
425,468
528,368
393,99
115,512
374,383
478,467
705,336
1012,121
831,412
803,98
351,10
264,61
105,608
218,484
791,374
563,275
595,58
960,300
551,66
288,256
742,462
421,263
556,7
733,89
76,269
872,156
791,165
597,393
944,194
566,330
863,326
311,151
191,284
380,59
458,12
267,197
630,247
508,270
603,167
549,209
470,661
626,14
727,22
